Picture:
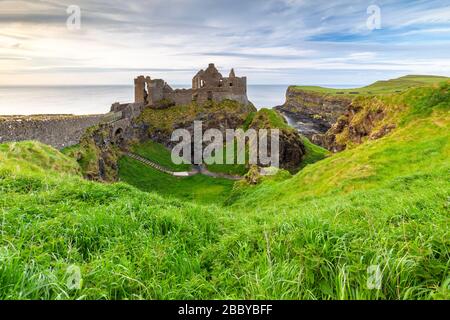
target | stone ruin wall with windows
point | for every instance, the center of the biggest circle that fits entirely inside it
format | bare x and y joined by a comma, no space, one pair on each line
207,85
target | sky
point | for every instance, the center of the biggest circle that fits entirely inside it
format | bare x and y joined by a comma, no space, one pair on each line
271,42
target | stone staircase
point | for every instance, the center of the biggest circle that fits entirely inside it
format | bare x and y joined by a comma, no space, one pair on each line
149,163
196,170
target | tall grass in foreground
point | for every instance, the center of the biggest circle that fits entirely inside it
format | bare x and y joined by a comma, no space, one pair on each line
133,245
384,204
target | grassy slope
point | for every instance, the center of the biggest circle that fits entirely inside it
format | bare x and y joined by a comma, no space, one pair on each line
380,87
422,138
159,154
197,188
230,169
314,153
383,203
128,244
31,158
269,118
264,118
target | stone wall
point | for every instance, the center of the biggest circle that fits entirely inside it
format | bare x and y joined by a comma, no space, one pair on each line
204,95
207,85
181,96
59,131
62,131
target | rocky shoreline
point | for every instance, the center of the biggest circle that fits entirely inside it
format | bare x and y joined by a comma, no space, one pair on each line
312,113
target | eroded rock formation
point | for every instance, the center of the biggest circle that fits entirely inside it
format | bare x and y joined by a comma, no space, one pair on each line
365,119
291,147
312,112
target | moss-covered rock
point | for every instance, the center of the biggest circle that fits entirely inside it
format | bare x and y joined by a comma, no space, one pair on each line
161,122
373,117
292,150
96,155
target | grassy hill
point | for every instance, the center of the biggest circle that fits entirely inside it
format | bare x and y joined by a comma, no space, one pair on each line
198,188
383,204
156,152
380,87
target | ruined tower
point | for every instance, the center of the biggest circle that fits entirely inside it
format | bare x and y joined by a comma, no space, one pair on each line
140,94
207,85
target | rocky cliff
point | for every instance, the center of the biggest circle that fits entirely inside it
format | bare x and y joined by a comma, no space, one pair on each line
373,117
313,112
291,147
162,121
365,119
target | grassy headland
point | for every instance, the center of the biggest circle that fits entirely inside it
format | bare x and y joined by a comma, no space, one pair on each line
380,87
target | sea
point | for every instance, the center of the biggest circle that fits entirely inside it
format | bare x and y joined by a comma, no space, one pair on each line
27,100
79,100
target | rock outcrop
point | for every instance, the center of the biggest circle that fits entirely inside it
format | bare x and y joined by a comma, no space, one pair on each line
291,147
313,112
161,122
365,119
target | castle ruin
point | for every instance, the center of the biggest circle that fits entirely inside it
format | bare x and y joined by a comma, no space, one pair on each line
62,131
207,85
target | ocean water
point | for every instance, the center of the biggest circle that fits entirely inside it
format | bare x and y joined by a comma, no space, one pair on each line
98,99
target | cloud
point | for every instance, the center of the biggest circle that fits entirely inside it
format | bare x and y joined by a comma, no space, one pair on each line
298,39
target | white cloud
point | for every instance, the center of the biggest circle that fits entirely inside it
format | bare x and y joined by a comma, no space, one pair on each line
258,37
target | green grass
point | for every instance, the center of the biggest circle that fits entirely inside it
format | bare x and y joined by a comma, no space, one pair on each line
156,152
269,118
30,157
199,188
313,236
380,87
314,153
230,169
263,119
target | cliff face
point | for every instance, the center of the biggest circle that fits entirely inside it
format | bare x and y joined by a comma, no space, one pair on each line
96,155
313,112
101,146
373,117
161,122
291,147
365,119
